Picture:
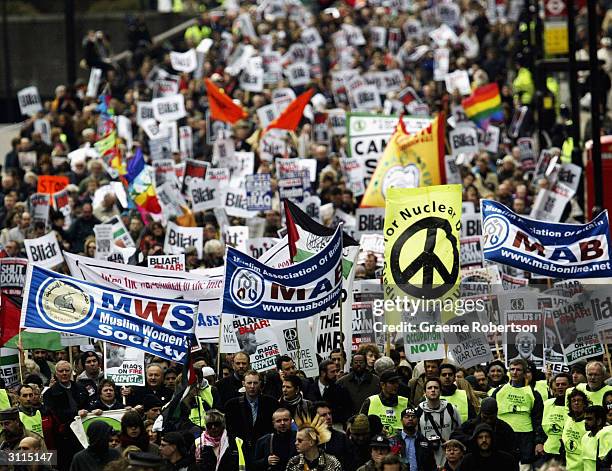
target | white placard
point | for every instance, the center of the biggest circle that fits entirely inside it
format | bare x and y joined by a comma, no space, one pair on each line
178,238
184,61
169,108
29,101
45,251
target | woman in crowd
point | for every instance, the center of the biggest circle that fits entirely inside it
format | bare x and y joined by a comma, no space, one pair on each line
573,430
133,432
214,449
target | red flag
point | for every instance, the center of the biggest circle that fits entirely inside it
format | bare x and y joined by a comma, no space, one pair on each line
290,118
10,317
222,108
292,232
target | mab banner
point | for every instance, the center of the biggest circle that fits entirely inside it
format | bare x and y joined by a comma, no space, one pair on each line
161,327
298,291
546,248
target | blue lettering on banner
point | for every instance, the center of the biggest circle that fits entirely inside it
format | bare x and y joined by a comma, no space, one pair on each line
302,290
161,327
551,249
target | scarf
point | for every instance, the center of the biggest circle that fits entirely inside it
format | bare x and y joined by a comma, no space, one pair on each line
294,402
222,443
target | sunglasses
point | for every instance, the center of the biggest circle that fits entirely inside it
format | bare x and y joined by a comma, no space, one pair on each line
214,424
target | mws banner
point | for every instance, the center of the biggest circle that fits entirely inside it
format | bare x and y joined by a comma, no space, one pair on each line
158,326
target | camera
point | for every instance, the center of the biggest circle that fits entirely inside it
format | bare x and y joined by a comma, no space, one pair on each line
434,441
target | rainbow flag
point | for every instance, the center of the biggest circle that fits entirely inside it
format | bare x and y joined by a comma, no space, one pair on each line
484,105
141,190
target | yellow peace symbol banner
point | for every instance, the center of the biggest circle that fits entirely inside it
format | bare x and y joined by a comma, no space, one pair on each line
422,230
409,161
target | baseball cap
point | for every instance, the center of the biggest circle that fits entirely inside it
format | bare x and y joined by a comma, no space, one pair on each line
409,411
389,376
380,441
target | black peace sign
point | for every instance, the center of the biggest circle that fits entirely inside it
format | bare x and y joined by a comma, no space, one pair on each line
427,260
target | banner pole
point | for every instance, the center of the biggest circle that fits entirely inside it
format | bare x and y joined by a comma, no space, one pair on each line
607,351
219,347
21,357
297,333
497,349
70,360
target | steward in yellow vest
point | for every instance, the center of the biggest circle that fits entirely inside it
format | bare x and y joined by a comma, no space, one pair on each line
387,405
597,441
595,388
555,413
521,407
573,430
203,401
30,417
450,392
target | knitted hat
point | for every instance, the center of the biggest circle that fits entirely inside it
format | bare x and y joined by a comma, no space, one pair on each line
360,424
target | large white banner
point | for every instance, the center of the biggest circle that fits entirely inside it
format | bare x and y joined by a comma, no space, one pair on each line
203,285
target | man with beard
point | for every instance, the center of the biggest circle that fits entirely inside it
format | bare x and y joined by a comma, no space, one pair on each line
13,430
229,387
47,368
486,456
554,415
272,451
597,441
502,432
387,405
416,450
326,389
359,383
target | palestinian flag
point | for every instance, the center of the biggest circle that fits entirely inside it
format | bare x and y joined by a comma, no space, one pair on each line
307,237
10,319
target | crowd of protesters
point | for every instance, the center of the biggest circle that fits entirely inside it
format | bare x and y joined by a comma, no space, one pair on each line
384,413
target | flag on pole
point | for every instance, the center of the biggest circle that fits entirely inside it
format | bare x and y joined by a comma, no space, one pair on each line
292,115
221,106
484,105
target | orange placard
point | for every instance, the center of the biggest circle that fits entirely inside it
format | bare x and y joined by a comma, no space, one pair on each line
51,183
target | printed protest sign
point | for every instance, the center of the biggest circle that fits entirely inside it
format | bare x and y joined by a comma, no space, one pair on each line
236,237
468,347
204,194
526,340
574,325
369,220
298,74
124,365
144,112
471,252
368,135
257,246
104,240
235,202
194,169
39,207
178,238
29,101
167,262
93,85
44,251
353,170
169,108
12,275
184,61
464,140
259,192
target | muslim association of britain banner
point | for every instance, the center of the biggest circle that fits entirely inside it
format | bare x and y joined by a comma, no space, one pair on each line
546,248
302,290
161,327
